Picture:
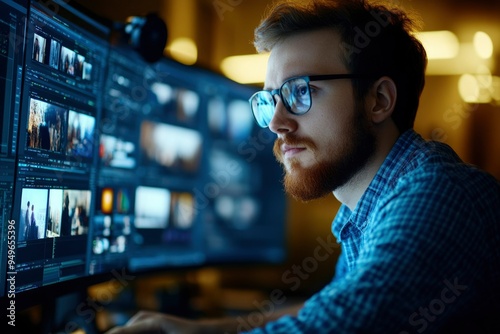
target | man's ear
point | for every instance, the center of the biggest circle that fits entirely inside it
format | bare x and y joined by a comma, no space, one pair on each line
381,105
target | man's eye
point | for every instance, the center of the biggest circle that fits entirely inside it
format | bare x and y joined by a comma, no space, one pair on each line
301,90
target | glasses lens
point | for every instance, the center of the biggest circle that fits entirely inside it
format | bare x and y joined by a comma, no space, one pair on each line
296,95
262,107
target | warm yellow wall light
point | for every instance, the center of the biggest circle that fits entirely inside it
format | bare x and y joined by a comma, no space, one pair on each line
442,44
246,69
483,45
468,88
183,50
476,88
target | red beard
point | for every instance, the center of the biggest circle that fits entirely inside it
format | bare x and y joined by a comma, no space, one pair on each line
345,160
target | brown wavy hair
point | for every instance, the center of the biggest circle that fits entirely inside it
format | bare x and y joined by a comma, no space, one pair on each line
377,40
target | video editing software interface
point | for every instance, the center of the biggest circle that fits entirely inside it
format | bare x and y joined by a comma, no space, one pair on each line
65,60
116,163
150,160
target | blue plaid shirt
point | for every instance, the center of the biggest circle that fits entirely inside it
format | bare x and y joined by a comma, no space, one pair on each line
420,252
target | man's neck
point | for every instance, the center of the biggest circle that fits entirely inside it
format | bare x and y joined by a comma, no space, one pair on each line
350,193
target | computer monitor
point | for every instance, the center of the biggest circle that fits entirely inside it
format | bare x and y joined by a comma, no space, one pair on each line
55,169
151,157
12,43
183,170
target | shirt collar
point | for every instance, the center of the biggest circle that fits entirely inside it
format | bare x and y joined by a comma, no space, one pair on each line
396,163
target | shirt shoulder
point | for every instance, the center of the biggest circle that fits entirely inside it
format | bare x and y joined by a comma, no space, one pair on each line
415,172
433,167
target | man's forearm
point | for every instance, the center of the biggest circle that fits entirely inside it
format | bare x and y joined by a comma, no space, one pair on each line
235,324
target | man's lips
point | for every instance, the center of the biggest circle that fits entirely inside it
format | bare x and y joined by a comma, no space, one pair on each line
290,150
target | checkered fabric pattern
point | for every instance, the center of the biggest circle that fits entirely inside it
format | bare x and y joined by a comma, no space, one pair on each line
420,252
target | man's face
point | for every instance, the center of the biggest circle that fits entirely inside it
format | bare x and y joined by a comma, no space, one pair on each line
324,148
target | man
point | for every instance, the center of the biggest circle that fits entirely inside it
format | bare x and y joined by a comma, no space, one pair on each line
36,50
419,230
33,231
27,221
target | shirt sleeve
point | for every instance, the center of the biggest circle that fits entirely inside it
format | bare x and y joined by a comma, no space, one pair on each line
422,257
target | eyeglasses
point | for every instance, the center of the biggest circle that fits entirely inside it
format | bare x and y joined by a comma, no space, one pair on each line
295,94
